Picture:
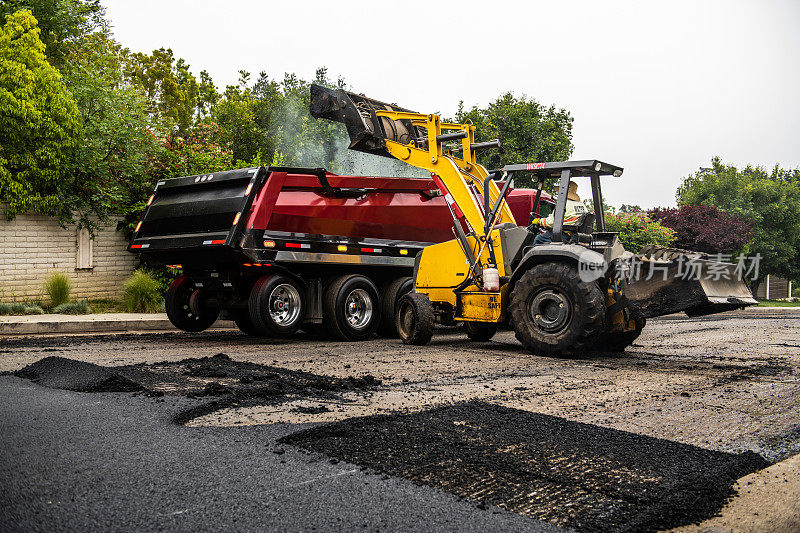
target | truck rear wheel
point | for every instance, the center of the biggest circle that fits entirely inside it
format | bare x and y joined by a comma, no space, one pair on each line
480,331
276,306
555,313
241,317
185,307
414,318
351,308
391,294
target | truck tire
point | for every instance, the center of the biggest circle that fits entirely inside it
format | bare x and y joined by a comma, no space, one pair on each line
184,306
276,306
351,308
616,342
391,294
555,313
241,317
414,318
480,331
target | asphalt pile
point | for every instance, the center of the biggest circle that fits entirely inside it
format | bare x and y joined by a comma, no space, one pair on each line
218,381
575,475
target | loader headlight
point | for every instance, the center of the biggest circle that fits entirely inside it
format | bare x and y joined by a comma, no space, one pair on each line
598,166
617,173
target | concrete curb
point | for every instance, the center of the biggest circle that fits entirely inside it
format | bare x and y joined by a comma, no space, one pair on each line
98,323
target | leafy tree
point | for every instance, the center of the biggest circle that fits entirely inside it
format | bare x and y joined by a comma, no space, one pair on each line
705,228
63,23
244,117
172,91
529,131
637,230
39,122
628,208
108,171
769,201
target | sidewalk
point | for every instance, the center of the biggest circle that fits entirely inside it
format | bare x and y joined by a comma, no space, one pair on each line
96,323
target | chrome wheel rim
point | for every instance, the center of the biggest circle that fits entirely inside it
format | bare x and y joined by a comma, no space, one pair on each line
550,310
358,309
284,304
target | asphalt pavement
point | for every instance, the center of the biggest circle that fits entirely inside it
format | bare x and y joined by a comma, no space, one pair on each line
115,462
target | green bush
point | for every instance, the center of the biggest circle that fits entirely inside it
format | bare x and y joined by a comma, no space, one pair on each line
72,308
637,230
33,309
142,293
5,309
20,309
58,286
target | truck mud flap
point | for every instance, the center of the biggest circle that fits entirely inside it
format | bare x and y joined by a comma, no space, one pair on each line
662,281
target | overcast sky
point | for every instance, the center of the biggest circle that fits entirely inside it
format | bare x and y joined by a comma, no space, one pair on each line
658,88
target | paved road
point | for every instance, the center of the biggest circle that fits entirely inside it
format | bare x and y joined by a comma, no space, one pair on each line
727,382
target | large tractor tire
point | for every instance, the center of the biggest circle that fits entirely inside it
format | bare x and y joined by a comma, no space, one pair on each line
414,319
616,342
480,331
277,306
390,297
185,307
555,313
351,308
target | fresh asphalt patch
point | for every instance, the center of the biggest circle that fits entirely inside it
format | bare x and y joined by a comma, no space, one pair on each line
219,380
581,476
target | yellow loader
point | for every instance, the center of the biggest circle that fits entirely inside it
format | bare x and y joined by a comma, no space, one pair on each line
580,293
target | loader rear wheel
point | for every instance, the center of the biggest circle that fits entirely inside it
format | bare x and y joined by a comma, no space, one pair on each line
616,342
351,308
480,331
391,294
414,319
555,313
185,307
276,306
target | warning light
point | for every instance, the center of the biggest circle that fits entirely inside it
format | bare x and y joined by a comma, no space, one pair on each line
150,200
236,218
139,225
342,248
269,244
403,251
248,189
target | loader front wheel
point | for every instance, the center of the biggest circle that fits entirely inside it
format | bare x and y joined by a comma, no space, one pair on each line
555,313
185,307
480,331
414,318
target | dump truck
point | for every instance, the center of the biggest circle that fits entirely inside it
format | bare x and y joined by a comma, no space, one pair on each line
571,296
277,249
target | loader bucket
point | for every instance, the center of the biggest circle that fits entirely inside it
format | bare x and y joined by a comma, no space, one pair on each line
367,131
668,280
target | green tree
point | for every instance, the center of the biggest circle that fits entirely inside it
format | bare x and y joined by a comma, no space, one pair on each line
171,90
39,122
770,201
63,23
530,132
637,230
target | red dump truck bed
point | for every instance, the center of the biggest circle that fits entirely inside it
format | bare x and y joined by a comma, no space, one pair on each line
235,233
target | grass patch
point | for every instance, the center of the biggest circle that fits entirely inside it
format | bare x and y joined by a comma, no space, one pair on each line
777,303
71,308
107,306
142,293
58,286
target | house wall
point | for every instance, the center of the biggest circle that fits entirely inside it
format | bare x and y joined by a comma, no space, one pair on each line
33,246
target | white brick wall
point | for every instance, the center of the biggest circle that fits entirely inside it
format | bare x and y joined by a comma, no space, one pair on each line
33,246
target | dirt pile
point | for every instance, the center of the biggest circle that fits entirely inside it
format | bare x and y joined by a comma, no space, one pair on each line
576,475
225,382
